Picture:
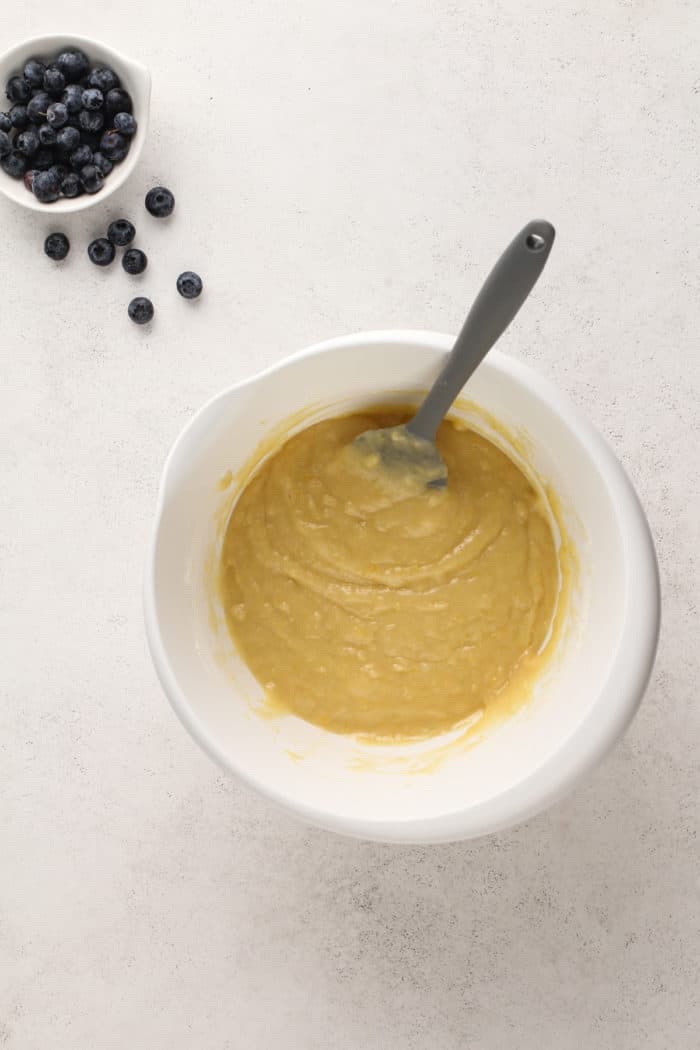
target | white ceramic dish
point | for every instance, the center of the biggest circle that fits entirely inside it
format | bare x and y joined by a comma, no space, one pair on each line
583,703
134,77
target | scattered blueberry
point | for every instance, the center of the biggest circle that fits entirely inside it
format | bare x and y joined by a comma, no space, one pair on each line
54,81
102,163
70,187
27,142
14,164
5,144
57,246
103,78
91,179
38,106
67,139
46,187
160,202
134,261
19,117
92,122
141,310
189,285
34,72
101,252
5,122
118,101
121,232
47,135
125,124
43,160
80,157
74,64
18,89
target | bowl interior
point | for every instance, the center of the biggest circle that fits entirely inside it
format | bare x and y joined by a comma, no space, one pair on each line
406,791
134,77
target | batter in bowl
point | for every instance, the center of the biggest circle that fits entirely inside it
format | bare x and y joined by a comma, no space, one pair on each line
368,609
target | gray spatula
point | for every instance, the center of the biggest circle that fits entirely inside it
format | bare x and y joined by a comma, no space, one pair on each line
411,447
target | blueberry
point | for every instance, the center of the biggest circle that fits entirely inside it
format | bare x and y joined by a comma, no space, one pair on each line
70,187
93,99
73,98
43,160
19,117
141,310
46,187
74,64
18,89
5,144
34,72
67,139
54,81
118,101
189,285
5,122
125,124
134,261
47,135
102,163
14,164
80,157
57,246
121,232
38,106
160,202
101,252
112,143
91,122
103,78
91,179
59,170
27,142
29,179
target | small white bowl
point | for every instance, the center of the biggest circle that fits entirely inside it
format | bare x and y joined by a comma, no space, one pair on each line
135,79
407,792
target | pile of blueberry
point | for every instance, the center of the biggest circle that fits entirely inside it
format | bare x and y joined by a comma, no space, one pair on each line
120,234
70,122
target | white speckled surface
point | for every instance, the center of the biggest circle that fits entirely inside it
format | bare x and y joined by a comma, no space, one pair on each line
352,165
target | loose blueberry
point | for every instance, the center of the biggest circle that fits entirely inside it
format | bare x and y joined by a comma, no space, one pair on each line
73,98
112,143
5,144
102,163
125,124
47,135
141,310
80,157
93,99
14,164
18,89
46,187
91,179
118,101
189,285
103,78
121,232
134,261
38,106
160,202
54,81
19,117
34,72
57,246
70,187
68,139
43,160
74,64
101,252
27,142
5,122
57,115
92,122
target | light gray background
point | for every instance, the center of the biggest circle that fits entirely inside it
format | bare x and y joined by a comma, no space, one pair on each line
337,166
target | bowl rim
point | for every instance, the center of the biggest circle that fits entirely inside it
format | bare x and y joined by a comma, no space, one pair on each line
595,734
24,49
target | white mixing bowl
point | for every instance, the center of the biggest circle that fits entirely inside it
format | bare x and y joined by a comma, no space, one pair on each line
429,791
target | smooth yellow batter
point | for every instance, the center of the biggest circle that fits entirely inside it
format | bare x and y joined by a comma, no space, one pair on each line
367,609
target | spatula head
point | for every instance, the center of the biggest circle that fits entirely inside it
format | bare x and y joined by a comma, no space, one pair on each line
403,454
